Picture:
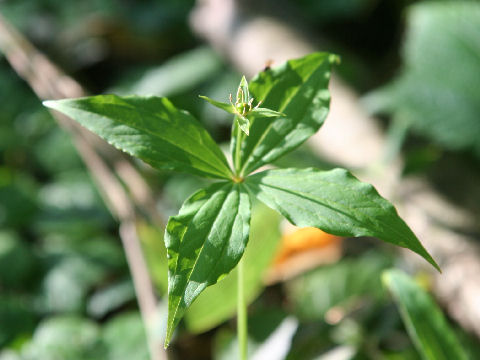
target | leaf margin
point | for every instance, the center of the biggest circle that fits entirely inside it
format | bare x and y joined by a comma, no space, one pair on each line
190,209
384,204
216,167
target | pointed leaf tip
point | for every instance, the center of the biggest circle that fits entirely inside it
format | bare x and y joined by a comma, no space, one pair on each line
243,123
48,103
336,202
204,242
150,128
298,89
246,93
223,106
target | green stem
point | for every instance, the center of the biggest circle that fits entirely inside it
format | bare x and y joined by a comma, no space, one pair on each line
242,331
238,146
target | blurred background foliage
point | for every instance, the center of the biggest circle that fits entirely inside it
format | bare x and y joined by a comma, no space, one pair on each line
65,288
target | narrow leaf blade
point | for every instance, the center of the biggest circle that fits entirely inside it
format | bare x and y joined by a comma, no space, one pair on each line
297,88
150,128
224,106
267,112
244,87
336,202
425,322
204,243
243,123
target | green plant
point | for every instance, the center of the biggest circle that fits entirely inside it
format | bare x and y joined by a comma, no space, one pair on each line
431,333
207,239
442,106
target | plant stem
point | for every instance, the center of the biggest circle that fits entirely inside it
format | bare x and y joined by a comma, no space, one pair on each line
238,145
242,331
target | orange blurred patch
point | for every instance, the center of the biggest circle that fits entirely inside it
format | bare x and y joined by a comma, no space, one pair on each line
302,249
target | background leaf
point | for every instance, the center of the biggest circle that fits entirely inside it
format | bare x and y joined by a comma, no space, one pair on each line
344,284
429,330
297,88
438,90
333,201
65,337
175,76
204,243
17,262
124,336
150,128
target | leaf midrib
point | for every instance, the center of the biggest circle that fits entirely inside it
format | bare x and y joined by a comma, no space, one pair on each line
225,243
319,201
155,135
267,130
184,287
186,133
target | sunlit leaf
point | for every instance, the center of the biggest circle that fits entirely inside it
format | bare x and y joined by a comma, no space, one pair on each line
204,243
333,201
243,123
267,112
243,94
218,303
224,106
297,88
150,128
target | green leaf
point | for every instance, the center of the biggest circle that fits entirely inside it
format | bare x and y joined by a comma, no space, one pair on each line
124,337
150,128
344,282
425,322
224,106
442,105
243,90
17,261
110,298
243,123
219,303
178,75
204,243
336,202
267,112
243,97
65,337
18,316
242,120
66,285
299,89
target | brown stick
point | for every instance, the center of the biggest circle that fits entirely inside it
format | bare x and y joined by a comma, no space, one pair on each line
49,82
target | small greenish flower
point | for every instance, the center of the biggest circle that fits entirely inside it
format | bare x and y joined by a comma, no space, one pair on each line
243,106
